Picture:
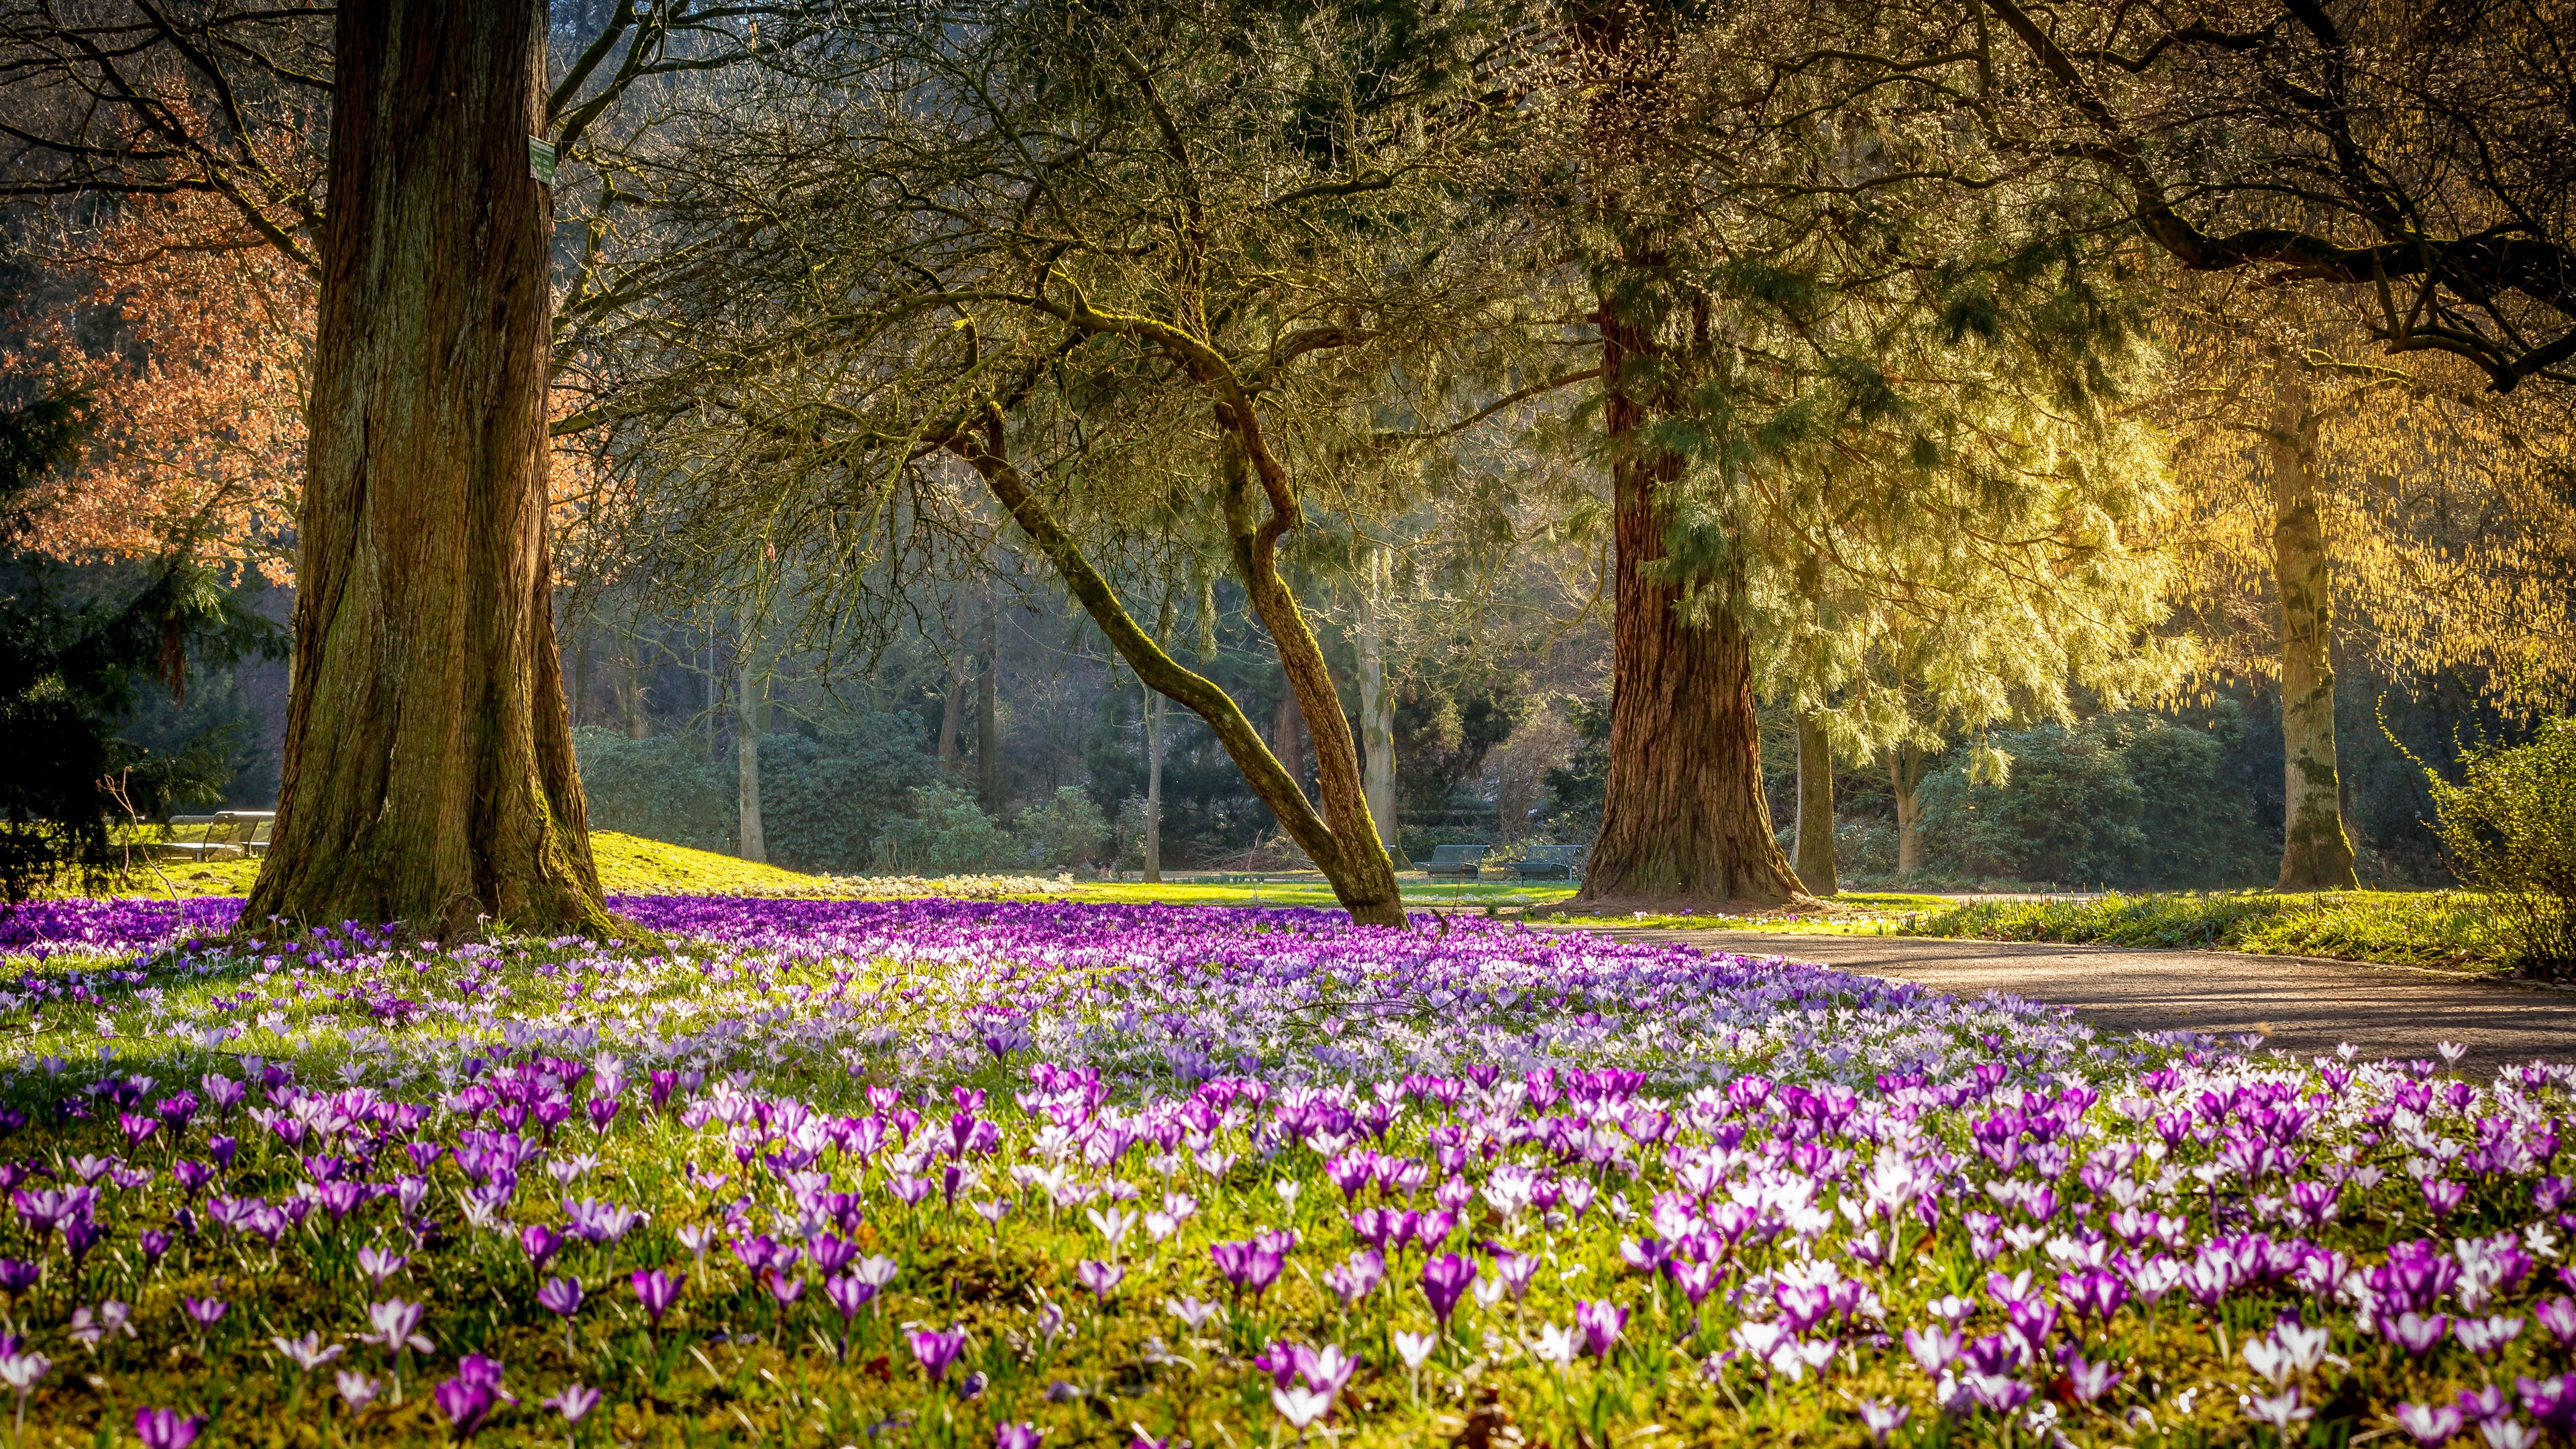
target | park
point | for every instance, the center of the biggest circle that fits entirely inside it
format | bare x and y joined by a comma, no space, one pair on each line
1599,724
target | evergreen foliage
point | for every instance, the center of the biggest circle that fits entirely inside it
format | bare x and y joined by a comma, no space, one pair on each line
77,658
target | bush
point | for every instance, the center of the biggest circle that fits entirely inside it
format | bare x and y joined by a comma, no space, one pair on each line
945,833
2126,799
823,801
1065,831
2509,828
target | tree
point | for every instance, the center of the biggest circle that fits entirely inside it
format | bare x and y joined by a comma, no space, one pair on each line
1844,403
1156,331
429,769
2392,508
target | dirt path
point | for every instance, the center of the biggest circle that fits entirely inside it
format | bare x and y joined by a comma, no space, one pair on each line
2304,1004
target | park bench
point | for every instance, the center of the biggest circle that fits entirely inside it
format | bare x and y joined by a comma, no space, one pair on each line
1454,860
224,835
1550,862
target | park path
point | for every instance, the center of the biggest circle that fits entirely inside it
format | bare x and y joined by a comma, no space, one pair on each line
2305,1005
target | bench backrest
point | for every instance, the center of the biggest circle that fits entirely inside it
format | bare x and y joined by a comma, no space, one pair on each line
1457,854
1558,854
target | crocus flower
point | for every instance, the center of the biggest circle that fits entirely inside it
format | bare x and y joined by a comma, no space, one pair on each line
1600,1323
560,1296
1101,1278
936,1349
1444,1281
573,1401
657,1290
167,1428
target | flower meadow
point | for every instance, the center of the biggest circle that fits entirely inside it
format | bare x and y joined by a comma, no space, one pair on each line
949,1173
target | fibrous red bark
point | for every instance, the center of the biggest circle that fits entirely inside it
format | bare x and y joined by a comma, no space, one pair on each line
429,771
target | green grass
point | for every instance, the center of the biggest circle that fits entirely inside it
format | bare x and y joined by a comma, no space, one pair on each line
2452,929
1310,890
628,865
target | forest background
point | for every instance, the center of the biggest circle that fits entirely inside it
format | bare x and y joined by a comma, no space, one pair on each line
889,677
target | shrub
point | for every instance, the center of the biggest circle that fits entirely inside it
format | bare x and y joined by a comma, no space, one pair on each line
1065,831
2127,799
944,833
2509,828
823,801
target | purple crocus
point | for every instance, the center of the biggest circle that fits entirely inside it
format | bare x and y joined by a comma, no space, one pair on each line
1444,1282
1101,1278
937,1349
560,1296
167,1428
657,1290
469,1398
1599,1323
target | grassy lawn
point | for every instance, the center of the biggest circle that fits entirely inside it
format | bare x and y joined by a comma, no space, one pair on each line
2452,929
628,865
1309,889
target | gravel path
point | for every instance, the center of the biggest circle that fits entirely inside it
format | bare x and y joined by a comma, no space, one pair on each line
2303,1004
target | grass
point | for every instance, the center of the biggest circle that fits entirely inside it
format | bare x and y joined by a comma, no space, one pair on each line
1310,890
628,865
2447,929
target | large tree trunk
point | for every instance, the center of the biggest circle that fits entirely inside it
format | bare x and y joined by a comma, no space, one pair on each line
1683,818
429,773
1377,702
1816,809
1905,769
2316,854
751,719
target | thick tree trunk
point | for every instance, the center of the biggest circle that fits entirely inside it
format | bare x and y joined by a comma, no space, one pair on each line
1905,767
1816,809
1377,702
751,720
1340,840
2316,854
429,773
988,718
1153,786
1683,818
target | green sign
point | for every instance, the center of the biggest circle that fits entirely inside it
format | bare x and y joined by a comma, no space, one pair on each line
541,161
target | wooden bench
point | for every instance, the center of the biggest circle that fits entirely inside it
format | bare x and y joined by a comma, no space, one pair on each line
1459,861
224,835
1550,862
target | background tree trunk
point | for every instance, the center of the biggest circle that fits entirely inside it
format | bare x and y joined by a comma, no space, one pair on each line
428,774
988,717
2316,854
751,720
1153,786
1905,767
1288,731
1683,817
1816,809
952,711
1377,702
